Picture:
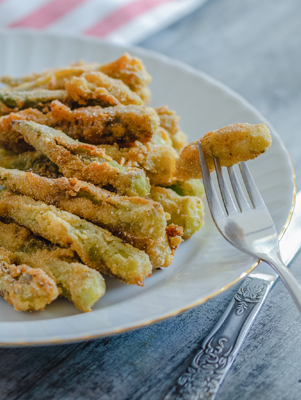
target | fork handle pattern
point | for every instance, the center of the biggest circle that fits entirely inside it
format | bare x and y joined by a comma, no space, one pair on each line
212,363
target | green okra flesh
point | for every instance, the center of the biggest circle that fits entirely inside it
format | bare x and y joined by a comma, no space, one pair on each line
78,283
24,99
85,162
96,247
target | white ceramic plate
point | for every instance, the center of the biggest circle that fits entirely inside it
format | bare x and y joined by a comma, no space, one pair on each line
204,265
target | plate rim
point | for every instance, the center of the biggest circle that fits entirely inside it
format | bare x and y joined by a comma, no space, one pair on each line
215,82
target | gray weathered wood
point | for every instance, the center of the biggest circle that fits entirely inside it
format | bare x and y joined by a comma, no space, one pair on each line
254,47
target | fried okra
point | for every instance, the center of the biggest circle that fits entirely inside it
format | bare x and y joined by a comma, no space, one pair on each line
192,187
96,88
131,216
96,247
10,139
94,125
231,145
18,100
158,161
25,288
52,79
170,122
132,72
33,161
76,282
185,211
121,124
85,162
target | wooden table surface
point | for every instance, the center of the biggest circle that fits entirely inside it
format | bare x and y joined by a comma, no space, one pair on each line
253,46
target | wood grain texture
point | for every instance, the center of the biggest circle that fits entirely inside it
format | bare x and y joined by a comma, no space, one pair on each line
254,47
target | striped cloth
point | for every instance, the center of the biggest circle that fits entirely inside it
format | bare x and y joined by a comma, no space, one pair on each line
120,21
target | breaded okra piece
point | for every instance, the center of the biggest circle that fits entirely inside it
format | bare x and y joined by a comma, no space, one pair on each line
133,216
13,82
56,78
10,139
94,125
231,145
25,288
160,251
158,161
76,282
96,88
187,211
53,78
120,124
192,187
96,247
32,160
170,122
18,100
135,220
161,137
83,161
132,72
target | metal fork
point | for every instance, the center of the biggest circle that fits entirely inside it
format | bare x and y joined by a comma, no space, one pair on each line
248,227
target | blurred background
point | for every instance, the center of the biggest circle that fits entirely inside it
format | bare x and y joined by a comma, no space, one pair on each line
253,46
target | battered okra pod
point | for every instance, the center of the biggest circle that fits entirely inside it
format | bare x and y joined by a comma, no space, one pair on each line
126,68
76,282
34,161
82,161
132,72
96,88
231,145
96,247
169,121
140,222
53,79
130,216
187,211
192,187
158,161
94,125
18,100
25,288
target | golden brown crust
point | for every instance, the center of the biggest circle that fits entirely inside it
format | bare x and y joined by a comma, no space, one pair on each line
96,125
96,247
185,211
130,70
169,121
231,144
83,161
25,288
10,139
75,281
134,216
158,161
98,88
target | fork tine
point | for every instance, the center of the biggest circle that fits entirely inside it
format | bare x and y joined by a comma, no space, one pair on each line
213,201
254,194
239,194
227,199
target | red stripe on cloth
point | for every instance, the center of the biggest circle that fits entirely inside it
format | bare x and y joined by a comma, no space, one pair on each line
123,15
47,14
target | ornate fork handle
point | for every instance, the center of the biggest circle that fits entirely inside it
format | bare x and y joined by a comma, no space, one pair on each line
211,364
